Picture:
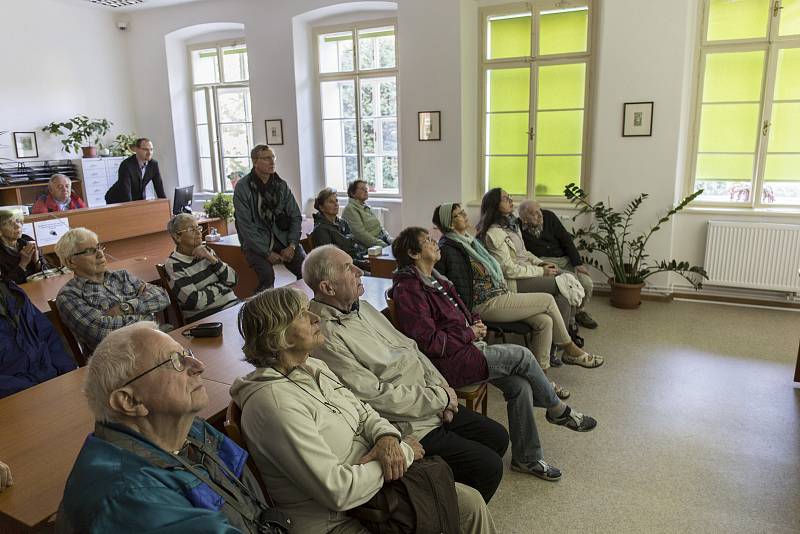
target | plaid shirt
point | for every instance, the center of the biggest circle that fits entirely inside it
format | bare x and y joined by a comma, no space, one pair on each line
83,304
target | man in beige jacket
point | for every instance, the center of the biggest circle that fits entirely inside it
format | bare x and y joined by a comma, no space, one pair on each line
386,369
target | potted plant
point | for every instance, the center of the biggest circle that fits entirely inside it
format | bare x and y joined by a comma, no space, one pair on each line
122,144
80,133
611,235
219,206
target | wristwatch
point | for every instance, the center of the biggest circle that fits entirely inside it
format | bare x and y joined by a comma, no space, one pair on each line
126,308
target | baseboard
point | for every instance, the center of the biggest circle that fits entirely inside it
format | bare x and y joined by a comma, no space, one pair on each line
744,297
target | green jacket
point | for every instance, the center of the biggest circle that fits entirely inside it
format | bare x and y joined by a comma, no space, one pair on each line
366,228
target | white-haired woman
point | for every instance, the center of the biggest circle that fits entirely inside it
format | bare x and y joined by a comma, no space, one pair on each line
18,253
320,450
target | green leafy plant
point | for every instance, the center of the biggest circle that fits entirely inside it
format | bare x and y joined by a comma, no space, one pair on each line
122,144
220,205
611,235
79,131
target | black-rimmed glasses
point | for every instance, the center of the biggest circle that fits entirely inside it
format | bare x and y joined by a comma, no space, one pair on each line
178,360
198,229
91,250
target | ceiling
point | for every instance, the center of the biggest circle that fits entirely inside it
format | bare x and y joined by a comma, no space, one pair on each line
125,5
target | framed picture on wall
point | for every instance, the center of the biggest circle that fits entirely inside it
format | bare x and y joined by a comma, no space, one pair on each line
25,143
637,119
274,131
429,123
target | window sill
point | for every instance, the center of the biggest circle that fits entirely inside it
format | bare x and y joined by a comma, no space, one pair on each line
752,212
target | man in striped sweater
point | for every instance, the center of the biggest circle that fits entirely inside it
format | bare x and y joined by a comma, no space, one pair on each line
202,283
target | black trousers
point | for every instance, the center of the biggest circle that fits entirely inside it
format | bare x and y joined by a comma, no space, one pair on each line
265,270
473,446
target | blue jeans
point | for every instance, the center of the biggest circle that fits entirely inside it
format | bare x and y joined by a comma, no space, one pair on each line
514,370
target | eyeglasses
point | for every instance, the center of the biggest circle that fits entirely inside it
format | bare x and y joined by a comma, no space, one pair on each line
178,360
505,198
460,213
12,222
428,240
198,229
91,250
270,158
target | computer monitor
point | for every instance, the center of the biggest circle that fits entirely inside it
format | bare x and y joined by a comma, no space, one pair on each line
183,200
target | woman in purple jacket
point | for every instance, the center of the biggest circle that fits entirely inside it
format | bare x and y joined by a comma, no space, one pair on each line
429,310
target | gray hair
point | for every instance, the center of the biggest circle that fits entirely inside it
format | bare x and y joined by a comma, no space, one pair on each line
263,321
58,175
6,215
318,267
526,206
111,365
68,244
176,222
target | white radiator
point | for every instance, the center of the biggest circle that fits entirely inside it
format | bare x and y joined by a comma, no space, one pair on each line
753,255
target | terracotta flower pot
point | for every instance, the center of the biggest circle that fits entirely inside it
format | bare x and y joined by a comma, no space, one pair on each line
89,151
627,296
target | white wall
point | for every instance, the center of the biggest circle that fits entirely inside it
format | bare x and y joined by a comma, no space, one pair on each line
59,61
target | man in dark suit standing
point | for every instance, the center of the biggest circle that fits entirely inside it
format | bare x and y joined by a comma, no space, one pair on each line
135,173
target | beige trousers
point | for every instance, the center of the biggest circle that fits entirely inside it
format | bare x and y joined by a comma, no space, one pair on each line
586,281
537,310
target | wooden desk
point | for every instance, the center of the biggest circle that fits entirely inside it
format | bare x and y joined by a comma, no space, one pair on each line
44,428
382,266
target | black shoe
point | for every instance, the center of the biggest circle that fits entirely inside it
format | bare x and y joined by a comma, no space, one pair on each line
555,361
573,420
573,334
585,320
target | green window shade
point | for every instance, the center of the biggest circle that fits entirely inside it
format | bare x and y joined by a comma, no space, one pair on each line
787,81
563,32
784,133
508,89
728,127
728,167
733,77
553,173
790,18
508,36
507,133
559,132
742,19
508,172
561,86
782,168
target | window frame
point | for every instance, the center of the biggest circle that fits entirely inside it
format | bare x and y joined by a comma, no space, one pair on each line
771,44
534,62
356,75
218,177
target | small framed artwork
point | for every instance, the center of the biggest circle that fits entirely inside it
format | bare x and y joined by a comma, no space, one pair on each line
25,143
637,119
274,131
430,125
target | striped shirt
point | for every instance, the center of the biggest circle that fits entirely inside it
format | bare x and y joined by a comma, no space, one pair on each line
201,287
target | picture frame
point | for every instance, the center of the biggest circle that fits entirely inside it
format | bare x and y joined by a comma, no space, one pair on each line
637,119
274,131
25,145
429,125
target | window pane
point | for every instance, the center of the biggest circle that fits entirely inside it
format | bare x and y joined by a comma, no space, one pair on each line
338,99
378,97
790,17
234,104
379,136
340,171
724,177
733,77
743,19
559,132
782,179
389,172
376,48
339,137
508,172
368,137
234,63
203,144
553,173
336,52
388,92
236,140
507,133
235,168
508,89
508,36
200,107
784,133
728,127
563,31
787,80
561,86
389,135
206,174
205,67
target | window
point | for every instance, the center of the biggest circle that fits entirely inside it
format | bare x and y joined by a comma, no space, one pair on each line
223,117
535,65
746,143
357,70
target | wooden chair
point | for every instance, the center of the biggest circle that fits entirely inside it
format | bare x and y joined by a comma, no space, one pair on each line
471,394
74,346
307,243
233,428
176,312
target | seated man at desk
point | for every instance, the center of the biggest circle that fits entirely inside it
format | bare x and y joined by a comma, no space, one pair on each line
59,196
366,228
31,351
151,465
135,173
19,257
202,283
98,301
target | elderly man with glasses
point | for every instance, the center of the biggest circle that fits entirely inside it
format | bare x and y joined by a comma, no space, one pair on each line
151,465
202,283
59,196
98,301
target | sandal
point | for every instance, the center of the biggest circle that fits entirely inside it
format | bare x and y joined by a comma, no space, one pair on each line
587,360
561,392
